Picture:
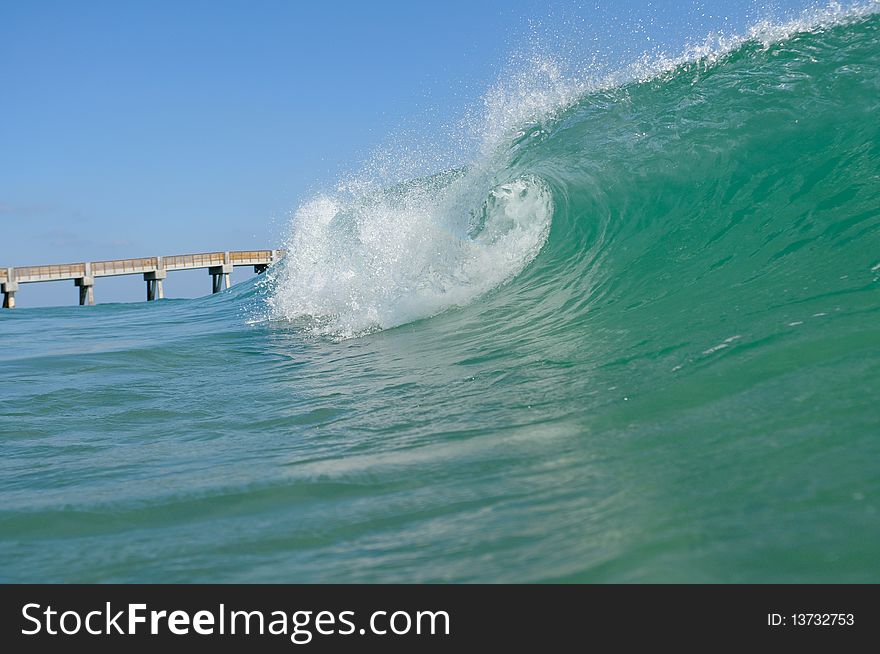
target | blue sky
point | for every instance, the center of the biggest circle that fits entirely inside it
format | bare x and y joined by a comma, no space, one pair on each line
147,128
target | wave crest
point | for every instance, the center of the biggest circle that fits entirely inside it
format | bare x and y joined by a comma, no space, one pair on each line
383,258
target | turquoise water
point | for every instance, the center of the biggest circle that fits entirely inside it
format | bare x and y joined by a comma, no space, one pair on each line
635,339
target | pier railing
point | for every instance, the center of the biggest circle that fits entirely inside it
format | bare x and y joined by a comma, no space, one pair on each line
154,270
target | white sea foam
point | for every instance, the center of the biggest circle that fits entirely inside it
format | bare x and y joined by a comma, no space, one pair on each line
384,258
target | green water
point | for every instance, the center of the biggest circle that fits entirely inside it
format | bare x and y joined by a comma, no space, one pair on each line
681,385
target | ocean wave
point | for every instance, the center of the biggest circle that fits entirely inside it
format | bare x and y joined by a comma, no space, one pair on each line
579,151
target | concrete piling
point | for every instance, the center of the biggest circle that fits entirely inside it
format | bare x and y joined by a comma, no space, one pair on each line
155,287
220,277
86,290
86,285
9,289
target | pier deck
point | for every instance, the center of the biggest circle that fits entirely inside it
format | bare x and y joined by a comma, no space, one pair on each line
153,269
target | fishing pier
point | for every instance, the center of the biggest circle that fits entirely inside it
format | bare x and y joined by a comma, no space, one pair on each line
153,269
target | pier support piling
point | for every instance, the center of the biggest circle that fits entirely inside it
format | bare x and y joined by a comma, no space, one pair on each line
86,290
220,277
9,289
155,287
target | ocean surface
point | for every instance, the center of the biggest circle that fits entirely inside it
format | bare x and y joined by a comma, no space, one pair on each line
635,338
